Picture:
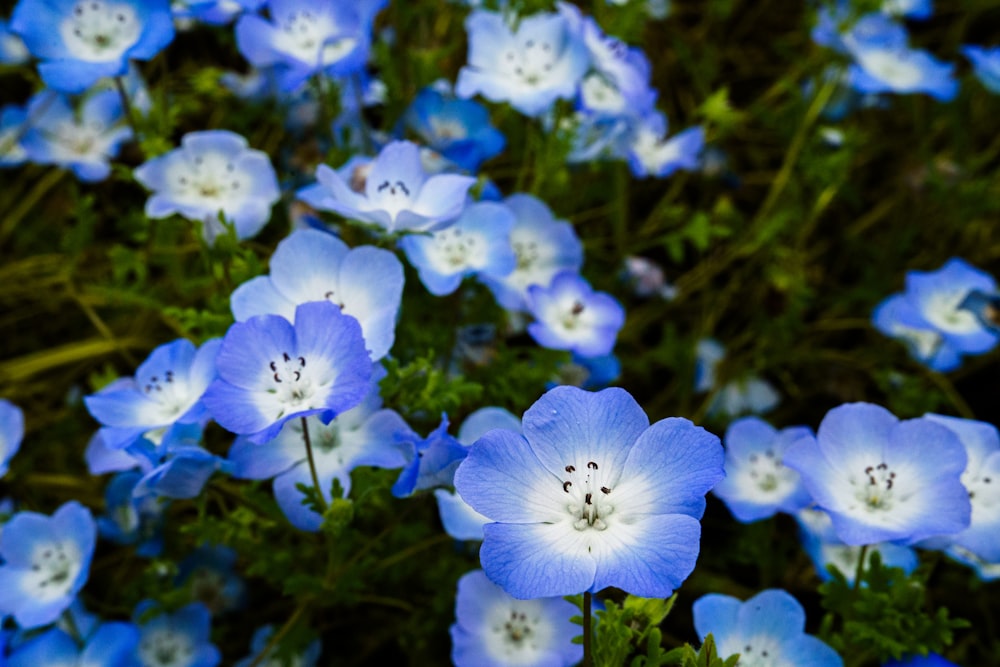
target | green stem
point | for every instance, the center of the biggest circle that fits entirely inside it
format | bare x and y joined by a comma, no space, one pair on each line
127,106
279,635
312,463
859,573
588,651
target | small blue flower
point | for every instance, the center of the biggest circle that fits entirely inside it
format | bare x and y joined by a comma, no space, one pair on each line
910,9
212,12
11,432
84,142
311,265
46,561
431,461
932,318
767,629
165,637
824,548
590,496
650,153
130,520
543,246
748,394
110,645
492,629
271,371
212,173
542,61
396,195
930,660
306,658
477,243
758,484
366,435
459,130
571,316
208,573
307,37
882,479
80,41
986,65
162,400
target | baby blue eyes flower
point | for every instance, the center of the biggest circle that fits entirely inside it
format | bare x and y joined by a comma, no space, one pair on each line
46,561
11,432
932,316
162,400
459,130
180,639
312,265
492,629
307,37
84,142
650,153
478,242
768,629
572,316
757,483
590,496
882,479
81,41
212,172
542,61
986,65
110,645
259,643
271,371
396,194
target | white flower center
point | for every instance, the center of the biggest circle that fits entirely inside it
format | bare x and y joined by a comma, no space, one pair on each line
98,31
527,254
600,95
984,493
530,61
454,250
312,39
165,648
589,500
892,67
292,382
769,474
942,310
758,652
11,149
172,397
393,197
54,567
874,488
518,633
925,342
447,129
208,180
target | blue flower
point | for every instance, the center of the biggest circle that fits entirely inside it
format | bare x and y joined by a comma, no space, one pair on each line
212,173
650,153
767,629
986,65
543,246
213,12
259,642
542,61
311,265
366,435
477,243
131,520
931,316
930,660
982,481
110,645
307,37
459,130
183,633
84,142
208,573
758,484
492,629
397,195
572,316
882,479
12,128
80,41
162,400
11,432
46,561
824,548
910,9
748,394
271,371
590,496
431,461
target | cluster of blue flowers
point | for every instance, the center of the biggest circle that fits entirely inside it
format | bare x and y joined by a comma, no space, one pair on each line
579,494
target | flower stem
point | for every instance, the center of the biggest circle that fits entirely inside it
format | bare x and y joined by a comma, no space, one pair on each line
861,567
312,463
588,657
127,106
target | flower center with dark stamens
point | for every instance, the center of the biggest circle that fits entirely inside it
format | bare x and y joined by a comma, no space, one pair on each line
453,247
527,254
209,180
54,566
589,501
875,488
291,379
531,62
97,31
165,648
768,472
517,632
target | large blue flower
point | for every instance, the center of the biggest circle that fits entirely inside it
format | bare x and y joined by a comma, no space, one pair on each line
591,496
767,629
396,194
271,371
882,479
46,561
80,41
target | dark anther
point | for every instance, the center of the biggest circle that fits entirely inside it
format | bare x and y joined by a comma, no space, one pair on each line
587,498
274,367
769,454
121,18
592,465
276,378
882,466
302,362
566,486
868,470
570,469
155,379
577,308
605,490
871,480
149,388
891,475
986,480
888,484
763,654
285,355
298,376
753,458
402,186
383,186
746,649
